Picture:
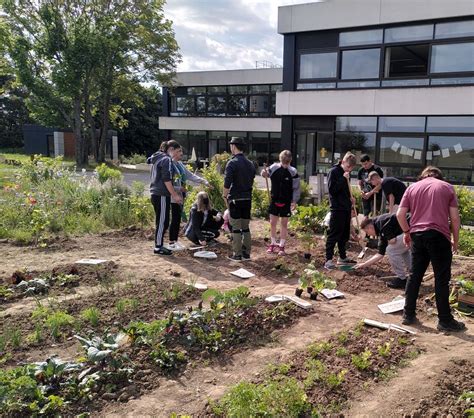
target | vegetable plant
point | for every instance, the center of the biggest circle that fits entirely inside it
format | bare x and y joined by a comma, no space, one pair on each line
362,361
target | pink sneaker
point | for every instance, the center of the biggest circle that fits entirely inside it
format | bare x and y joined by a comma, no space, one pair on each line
281,251
271,248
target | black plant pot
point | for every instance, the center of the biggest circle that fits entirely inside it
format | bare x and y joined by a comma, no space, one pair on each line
298,292
309,289
307,256
266,239
313,296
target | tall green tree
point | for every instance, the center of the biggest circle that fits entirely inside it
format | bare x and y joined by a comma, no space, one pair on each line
75,56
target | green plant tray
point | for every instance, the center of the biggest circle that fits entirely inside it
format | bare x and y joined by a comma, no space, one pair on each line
346,267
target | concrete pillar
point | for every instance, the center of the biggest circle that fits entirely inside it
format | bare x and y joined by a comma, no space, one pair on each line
58,144
115,148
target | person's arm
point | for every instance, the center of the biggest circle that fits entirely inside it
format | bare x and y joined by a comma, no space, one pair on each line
335,183
296,190
361,182
402,221
194,178
372,260
455,226
391,202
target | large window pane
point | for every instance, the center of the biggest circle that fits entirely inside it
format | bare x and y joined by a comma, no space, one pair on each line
217,143
322,65
216,106
275,146
259,105
260,88
312,86
356,123
201,105
406,61
198,145
453,81
451,151
452,58
401,150
182,138
237,105
409,33
402,124
237,89
361,37
216,90
196,90
450,124
276,87
258,147
362,63
357,142
183,105
454,29
405,173
358,84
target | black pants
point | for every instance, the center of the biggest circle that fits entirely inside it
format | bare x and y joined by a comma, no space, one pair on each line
161,204
176,211
209,235
368,204
429,246
338,233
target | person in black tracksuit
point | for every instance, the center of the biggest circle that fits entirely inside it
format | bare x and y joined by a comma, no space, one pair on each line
341,206
204,221
161,190
238,184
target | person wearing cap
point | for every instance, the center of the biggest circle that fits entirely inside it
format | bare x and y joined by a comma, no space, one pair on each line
238,183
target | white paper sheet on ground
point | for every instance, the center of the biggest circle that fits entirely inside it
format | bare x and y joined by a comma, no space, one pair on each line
458,148
445,152
242,273
436,153
298,301
332,293
395,146
205,254
393,306
92,261
417,155
275,298
429,155
200,286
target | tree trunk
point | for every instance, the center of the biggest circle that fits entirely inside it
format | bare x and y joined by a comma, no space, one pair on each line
77,128
105,127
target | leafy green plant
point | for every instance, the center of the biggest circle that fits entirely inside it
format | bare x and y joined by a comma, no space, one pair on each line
310,218
91,315
465,198
105,173
466,286
315,279
385,349
126,304
5,292
315,372
334,380
342,337
305,192
167,359
315,349
57,321
342,352
362,361
466,242
238,297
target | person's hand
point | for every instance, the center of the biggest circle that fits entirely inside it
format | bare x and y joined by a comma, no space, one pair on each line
359,266
178,199
293,206
407,239
366,196
265,173
454,245
203,243
347,175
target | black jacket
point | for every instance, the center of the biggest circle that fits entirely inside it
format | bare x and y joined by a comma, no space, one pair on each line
239,176
198,223
339,193
387,227
161,172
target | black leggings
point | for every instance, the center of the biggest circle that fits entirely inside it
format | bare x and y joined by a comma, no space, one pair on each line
161,204
339,233
176,211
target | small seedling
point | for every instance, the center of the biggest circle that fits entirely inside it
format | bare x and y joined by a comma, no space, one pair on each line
317,348
342,352
57,321
358,329
362,361
342,337
384,350
402,340
335,380
15,337
91,315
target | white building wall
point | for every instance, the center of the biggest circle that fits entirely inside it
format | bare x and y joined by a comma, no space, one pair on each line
334,14
58,143
221,124
407,101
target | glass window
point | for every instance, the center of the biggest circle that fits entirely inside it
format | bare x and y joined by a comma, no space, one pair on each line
356,123
454,29
201,105
358,84
401,150
216,90
196,90
276,87
415,82
237,105
259,105
451,151
198,145
361,37
357,142
275,146
216,106
362,63
182,138
262,88
311,86
322,65
406,173
259,147
450,124
447,81
406,60
402,124
409,33
324,152
452,57
183,105
460,176
237,89
217,143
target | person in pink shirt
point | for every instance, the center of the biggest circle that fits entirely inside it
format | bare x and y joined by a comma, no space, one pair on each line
433,205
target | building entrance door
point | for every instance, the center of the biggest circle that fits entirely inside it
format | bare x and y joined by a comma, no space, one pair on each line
305,145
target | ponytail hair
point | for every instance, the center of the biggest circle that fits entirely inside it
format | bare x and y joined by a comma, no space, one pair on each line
166,145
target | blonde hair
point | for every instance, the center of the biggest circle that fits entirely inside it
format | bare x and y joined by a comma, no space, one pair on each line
285,157
373,174
201,206
350,159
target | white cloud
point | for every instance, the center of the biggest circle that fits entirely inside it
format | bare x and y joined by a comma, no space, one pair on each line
226,34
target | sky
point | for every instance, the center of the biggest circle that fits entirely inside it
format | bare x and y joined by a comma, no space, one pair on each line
226,34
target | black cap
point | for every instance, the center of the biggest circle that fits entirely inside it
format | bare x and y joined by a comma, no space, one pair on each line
237,140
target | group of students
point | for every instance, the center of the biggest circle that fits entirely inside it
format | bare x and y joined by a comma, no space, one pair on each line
416,230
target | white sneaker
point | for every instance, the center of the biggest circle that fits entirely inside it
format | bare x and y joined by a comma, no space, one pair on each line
175,247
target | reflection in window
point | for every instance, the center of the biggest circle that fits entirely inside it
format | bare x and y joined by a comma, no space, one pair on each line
311,86
451,151
216,89
454,29
362,63
448,58
356,123
450,124
358,84
183,105
402,124
357,142
401,150
275,146
237,105
323,65
261,88
216,106
201,105
406,173
196,90
197,145
361,37
409,33
259,104
237,89
447,81
258,147
415,82
406,61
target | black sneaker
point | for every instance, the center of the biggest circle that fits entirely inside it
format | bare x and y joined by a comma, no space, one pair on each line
162,251
397,283
452,325
409,320
245,256
235,257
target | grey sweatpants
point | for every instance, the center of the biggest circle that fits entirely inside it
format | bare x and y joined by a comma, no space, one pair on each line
399,257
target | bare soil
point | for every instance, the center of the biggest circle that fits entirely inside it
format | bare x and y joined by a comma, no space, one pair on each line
187,393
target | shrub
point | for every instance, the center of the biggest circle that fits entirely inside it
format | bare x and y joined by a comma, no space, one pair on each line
133,159
260,203
305,192
466,204
105,173
310,218
466,242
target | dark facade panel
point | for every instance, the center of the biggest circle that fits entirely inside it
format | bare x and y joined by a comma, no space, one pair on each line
318,39
36,139
286,132
317,123
289,57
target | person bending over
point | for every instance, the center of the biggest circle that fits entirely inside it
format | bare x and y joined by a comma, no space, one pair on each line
392,188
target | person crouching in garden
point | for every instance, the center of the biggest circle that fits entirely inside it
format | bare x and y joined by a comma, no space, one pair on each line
181,176
341,203
204,221
285,193
161,190
390,234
